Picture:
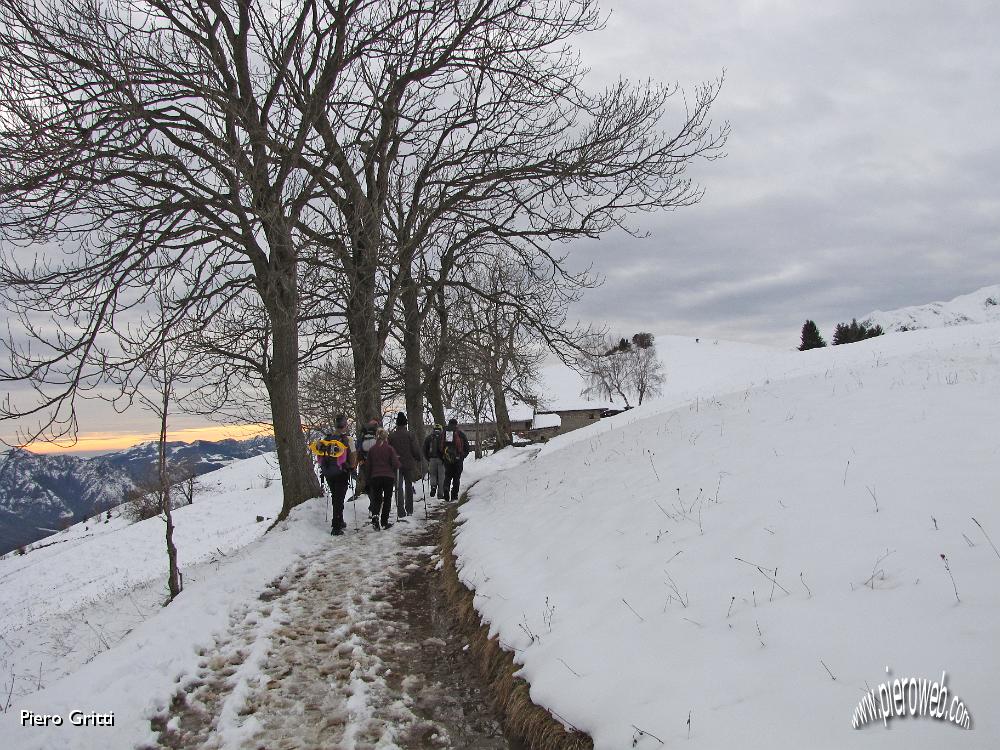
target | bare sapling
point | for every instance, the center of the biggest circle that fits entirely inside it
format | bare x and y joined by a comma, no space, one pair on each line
766,575
986,535
569,667
641,618
550,610
655,472
871,491
947,567
640,733
526,628
876,570
684,599
10,692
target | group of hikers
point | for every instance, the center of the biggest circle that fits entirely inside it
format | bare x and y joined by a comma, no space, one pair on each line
383,463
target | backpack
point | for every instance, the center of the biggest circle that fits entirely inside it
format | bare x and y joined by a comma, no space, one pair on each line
333,456
366,442
449,448
433,445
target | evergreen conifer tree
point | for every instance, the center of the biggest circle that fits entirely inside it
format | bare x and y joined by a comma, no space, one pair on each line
855,331
811,338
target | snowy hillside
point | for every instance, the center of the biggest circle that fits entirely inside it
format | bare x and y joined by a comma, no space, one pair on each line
85,610
982,306
41,494
750,552
753,550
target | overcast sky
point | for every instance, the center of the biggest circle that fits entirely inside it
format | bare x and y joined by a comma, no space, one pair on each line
862,169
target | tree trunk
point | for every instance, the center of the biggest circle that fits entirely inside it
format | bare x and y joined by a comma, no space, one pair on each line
478,416
413,389
435,400
502,415
298,480
360,313
174,578
432,388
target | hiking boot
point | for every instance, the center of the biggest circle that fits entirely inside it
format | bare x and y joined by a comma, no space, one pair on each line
336,532
375,524
386,525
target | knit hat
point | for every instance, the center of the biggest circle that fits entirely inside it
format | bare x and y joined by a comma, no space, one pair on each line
400,419
453,422
438,428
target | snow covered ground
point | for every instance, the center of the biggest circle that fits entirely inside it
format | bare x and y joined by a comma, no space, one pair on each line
81,626
81,620
981,306
632,564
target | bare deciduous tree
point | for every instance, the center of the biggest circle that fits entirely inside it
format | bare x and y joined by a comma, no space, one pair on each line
163,142
646,376
622,367
327,391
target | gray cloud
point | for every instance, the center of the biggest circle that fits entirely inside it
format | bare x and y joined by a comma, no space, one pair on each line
861,171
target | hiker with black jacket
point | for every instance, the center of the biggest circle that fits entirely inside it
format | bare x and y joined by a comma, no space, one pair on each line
381,466
336,462
366,439
435,466
454,449
405,445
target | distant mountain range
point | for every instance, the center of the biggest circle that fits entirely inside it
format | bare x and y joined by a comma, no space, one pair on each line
41,494
982,306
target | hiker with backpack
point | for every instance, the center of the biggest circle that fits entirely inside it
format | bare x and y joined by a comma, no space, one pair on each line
405,445
336,463
381,465
435,466
454,449
366,439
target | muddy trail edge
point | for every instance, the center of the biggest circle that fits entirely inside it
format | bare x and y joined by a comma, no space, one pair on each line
352,647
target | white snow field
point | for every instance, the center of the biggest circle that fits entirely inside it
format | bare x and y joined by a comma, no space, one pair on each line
607,558
980,306
620,562
81,618
81,626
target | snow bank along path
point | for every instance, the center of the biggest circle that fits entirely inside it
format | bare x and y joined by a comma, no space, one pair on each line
87,609
610,561
225,665
303,665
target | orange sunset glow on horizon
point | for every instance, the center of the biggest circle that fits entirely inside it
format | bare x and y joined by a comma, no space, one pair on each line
94,442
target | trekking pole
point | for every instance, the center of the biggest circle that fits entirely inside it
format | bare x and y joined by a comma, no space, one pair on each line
354,499
326,507
423,482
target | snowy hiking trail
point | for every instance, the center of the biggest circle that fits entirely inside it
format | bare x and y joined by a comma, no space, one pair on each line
349,648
